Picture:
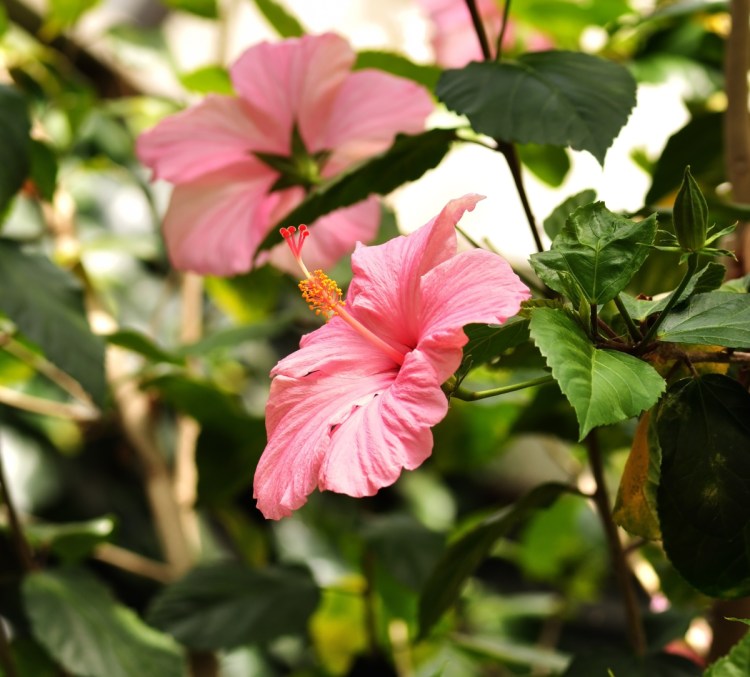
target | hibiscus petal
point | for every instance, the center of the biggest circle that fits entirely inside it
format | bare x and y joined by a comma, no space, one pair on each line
293,81
213,135
475,286
211,227
390,432
371,107
332,237
385,292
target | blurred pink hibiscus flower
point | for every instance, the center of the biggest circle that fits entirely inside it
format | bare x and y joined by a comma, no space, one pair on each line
354,405
239,163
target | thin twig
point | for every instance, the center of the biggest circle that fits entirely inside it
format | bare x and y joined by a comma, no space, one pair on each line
503,28
6,656
39,405
636,634
473,395
632,329
134,563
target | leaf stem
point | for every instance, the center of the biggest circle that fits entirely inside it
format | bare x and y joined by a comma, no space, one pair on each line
692,265
511,157
632,329
471,396
594,321
17,536
503,27
476,20
40,405
636,634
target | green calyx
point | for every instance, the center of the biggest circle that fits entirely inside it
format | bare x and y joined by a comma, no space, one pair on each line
301,168
690,215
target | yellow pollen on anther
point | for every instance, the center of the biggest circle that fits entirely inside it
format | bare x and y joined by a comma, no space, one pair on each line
322,294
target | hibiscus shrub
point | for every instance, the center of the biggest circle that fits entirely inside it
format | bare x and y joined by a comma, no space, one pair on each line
453,465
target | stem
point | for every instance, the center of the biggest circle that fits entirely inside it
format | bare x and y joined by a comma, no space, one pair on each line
691,268
134,563
479,29
503,26
17,535
636,634
40,405
47,369
511,157
371,621
593,319
632,329
471,396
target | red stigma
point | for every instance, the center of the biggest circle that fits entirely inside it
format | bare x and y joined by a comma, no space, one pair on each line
295,238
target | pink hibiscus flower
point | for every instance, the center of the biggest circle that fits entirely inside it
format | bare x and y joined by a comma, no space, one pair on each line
354,405
239,163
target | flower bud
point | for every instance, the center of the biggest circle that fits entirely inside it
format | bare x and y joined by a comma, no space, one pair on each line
690,214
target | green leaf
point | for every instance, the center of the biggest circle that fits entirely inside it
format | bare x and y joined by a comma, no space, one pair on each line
716,318
550,164
15,145
204,8
77,621
224,605
555,222
3,20
488,341
64,13
233,336
595,254
704,432
603,386
284,23
621,664
467,552
558,98
72,540
406,160
735,664
46,303
143,345
397,64
706,279
43,169
209,79
406,549
698,144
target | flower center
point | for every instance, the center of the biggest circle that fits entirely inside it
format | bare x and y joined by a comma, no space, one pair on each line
324,296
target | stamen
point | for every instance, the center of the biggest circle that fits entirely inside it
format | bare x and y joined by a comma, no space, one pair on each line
324,296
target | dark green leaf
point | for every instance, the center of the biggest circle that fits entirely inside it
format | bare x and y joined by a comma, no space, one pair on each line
284,23
467,552
557,98
233,336
43,168
698,144
72,540
716,318
595,254
209,79
704,433
397,64
488,341
706,279
15,150
204,8
735,664
555,222
3,20
407,550
406,160
550,164
46,303
603,386
224,605
621,664
143,345
77,621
